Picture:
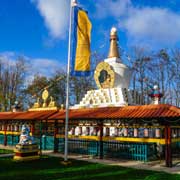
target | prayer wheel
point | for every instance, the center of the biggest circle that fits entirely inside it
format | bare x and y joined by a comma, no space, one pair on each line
146,132
135,132
157,133
125,130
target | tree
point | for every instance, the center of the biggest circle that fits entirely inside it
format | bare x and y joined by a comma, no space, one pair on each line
34,89
79,87
57,87
12,77
163,64
175,74
139,64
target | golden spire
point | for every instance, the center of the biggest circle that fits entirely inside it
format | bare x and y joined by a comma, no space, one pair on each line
113,50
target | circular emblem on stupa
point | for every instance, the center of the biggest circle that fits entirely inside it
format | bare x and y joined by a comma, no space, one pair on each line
104,75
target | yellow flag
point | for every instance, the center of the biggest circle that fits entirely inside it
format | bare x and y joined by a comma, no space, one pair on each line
82,37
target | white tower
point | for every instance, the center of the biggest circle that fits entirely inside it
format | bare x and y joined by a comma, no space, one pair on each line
122,72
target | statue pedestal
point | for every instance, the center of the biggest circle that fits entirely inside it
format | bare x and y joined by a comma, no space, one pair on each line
26,152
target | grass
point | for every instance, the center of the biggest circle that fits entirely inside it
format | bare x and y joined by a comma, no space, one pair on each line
50,168
5,151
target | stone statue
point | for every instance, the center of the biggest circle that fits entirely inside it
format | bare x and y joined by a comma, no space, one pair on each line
27,148
25,137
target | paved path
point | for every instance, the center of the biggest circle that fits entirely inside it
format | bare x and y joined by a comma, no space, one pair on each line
6,147
6,155
154,165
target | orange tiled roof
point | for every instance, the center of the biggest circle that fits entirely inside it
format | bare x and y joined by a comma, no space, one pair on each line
29,115
128,112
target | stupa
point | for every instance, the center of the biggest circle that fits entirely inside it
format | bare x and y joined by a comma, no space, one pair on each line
112,78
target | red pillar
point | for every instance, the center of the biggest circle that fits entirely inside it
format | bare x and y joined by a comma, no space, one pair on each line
5,135
55,138
101,140
168,153
32,128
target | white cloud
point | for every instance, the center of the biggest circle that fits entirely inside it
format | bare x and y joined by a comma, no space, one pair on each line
8,57
56,16
44,66
153,24
116,8
149,25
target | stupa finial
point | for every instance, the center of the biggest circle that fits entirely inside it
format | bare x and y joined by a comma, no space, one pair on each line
74,2
113,50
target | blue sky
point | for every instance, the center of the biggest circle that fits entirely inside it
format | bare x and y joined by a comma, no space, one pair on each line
38,29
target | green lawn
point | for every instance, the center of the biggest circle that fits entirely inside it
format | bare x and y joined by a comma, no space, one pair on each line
49,168
5,151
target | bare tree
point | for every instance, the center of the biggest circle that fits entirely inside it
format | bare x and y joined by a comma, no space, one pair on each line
163,63
139,64
12,76
175,74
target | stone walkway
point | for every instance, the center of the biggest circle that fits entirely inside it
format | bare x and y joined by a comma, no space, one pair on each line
6,155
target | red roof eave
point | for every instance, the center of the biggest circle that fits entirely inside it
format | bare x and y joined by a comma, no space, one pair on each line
127,112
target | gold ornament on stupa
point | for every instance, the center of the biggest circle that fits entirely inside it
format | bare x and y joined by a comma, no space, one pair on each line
104,75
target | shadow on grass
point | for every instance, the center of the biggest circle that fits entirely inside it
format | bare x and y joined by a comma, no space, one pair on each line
49,168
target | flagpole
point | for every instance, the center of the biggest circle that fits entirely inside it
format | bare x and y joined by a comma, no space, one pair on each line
72,3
